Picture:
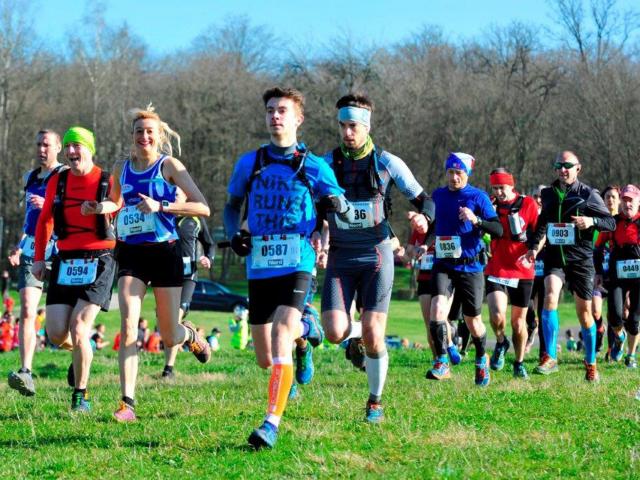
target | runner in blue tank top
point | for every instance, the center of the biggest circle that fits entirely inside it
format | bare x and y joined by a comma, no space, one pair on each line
48,147
146,231
280,181
463,215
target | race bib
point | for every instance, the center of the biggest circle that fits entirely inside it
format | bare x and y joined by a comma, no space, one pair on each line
507,282
28,247
426,261
605,262
78,271
539,266
275,251
364,217
561,233
132,221
186,266
628,269
448,247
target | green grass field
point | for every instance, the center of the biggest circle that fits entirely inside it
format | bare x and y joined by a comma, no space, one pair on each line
196,426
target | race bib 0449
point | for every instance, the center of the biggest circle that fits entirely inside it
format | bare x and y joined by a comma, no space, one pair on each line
628,269
275,251
448,247
561,233
131,221
78,271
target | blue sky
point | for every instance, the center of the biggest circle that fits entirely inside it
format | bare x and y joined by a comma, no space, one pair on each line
166,25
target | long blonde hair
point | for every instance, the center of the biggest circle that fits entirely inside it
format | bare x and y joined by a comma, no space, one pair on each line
166,133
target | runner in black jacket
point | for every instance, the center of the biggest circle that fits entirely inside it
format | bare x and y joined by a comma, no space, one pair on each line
571,212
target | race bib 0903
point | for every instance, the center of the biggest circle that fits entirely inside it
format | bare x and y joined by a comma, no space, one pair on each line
77,271
561,233
275,251
448,247
131,221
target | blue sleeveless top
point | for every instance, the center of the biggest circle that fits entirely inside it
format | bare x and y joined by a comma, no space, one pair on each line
151,183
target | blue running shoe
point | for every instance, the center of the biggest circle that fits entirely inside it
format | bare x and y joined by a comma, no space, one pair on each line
497,358
375,413
519,371
310,317
618,347
293,392
80,402
304,366
483,375
454,355
630,361
265,435
440,371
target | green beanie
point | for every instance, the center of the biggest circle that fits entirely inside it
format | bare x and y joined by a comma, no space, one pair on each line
82,136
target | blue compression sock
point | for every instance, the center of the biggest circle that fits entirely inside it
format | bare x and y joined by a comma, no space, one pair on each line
550,329
589,339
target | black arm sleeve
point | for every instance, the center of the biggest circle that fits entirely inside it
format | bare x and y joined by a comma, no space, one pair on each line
204,236
603,221
492,226
425,206
232,215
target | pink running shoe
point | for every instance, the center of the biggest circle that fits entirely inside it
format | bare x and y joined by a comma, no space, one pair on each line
124,413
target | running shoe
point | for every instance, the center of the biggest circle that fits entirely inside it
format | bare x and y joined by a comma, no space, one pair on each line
546,366
630,361
374,413
71,376
125,413
591,373
265,435
168,374
519,371
483,375
304,366
454,355
439,371
355,352
23,383
80,402
315,336
293,392
198,346
497,358
618,347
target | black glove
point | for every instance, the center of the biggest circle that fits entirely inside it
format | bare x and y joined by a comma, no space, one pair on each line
241,243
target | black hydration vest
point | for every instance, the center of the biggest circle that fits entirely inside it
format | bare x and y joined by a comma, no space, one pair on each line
103,222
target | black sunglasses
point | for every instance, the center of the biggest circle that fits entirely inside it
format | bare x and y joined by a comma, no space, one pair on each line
567,165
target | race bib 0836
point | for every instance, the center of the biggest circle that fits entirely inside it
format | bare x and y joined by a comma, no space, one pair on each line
448,247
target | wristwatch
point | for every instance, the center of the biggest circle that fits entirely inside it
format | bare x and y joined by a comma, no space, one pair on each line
479,224
164,204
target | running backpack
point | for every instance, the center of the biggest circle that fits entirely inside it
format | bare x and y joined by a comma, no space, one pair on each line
103,224
375,181
33,176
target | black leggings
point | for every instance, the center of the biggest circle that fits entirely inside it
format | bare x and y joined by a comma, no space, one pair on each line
615,308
